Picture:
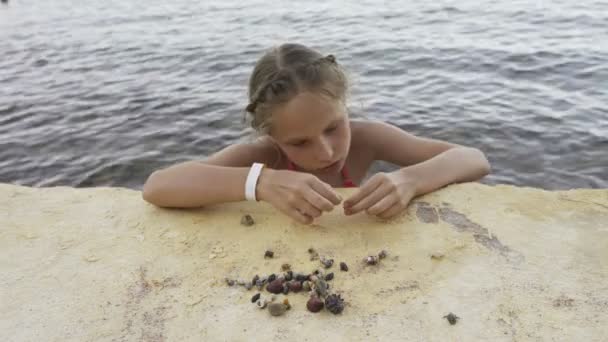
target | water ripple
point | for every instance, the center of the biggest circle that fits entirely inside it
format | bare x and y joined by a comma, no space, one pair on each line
103,93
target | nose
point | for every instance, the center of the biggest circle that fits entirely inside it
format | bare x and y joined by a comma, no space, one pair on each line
325,150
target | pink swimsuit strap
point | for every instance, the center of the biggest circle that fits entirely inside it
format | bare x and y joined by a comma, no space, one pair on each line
346,181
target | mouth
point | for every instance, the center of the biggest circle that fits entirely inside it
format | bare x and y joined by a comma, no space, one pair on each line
332,165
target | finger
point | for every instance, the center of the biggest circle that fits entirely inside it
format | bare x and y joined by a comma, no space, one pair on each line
308,209
298,216
373,198
364,191
382,205
392,211
326,191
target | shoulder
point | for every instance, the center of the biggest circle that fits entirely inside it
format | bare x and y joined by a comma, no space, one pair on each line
262,150
392,144
370,132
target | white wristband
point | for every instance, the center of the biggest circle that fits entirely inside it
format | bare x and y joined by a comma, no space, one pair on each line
252,181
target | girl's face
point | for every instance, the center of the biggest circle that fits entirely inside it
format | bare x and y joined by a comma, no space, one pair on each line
313,131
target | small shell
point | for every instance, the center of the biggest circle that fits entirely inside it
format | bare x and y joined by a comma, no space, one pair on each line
295,286
247,220
334,303
277,309
255,279
275,286
230,282
313,254
269,254
383,253
261,303
453,319
437,256
306,285
285,288
286,267
289,275
314,304
241,282
248,286
272,278
329,276
286,302
327,263
321,287
371,260
259,284
301,277
343,267
255,297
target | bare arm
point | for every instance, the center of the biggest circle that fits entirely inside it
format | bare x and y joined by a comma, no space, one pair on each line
432,163
218,179
427,165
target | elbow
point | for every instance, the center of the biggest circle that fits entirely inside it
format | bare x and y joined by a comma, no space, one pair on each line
153,190
479,162
484,164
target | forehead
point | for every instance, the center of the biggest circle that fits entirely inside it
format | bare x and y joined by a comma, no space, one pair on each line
305,115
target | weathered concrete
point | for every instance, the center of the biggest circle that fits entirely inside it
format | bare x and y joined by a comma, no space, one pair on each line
102,265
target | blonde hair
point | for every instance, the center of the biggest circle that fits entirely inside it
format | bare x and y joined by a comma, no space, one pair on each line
283,72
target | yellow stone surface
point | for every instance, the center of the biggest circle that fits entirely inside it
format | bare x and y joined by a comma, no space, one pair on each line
100,264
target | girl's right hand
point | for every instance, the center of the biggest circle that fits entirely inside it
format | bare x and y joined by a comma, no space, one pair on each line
301,196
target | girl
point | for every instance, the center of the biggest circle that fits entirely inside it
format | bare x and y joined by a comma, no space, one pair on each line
308,144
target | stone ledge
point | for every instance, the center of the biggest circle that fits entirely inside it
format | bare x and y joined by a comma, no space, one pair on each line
101,264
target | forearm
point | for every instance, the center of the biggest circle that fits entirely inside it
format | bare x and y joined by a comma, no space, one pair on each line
460,164
195,184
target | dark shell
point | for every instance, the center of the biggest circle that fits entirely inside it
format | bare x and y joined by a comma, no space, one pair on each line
295,286
255,297
272,278
285,288
289,275
301,277
453,319
334,303
259,284
343,267
383,253
255,279
321,287
314,304
329,276
230,282
275,287
269,254
286,267
247,220
313,254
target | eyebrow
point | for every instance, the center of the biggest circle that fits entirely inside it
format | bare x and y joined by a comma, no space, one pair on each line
299,139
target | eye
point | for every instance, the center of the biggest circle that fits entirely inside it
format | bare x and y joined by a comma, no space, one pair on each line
299,143
331,128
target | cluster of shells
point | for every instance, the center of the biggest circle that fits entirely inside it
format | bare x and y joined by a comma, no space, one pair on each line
316,284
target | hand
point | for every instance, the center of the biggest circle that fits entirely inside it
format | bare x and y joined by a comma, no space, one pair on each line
384,195
299,195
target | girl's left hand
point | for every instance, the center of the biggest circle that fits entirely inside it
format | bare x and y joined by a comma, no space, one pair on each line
384,195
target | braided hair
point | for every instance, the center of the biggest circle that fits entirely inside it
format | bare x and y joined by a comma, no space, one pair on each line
287,70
